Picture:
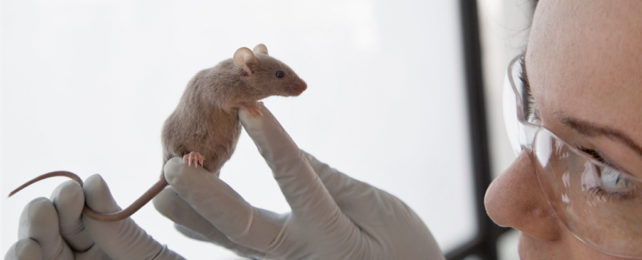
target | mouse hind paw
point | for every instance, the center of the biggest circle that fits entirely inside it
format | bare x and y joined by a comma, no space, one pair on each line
194,158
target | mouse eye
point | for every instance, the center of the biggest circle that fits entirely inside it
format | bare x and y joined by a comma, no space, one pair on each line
279,74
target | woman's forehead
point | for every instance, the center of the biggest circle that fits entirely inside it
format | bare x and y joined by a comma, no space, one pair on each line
584,60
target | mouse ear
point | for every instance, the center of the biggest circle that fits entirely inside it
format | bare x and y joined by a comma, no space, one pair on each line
261,48
244,58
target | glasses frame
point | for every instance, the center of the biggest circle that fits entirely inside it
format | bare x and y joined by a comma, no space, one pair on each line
531,129
527,133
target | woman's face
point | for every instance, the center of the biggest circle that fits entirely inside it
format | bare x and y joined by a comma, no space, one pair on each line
584,65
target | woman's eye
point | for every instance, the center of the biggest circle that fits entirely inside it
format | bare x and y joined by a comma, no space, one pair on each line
608,175
612,179
605,183
280,74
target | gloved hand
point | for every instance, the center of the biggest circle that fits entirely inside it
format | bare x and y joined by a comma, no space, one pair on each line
57,230
333,216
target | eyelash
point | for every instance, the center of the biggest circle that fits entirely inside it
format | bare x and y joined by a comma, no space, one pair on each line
602,195
607,194
532,112
593,154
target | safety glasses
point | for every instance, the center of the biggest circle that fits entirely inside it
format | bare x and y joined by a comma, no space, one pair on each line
599,204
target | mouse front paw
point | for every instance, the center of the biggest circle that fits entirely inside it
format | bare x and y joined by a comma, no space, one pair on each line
194,158
253,109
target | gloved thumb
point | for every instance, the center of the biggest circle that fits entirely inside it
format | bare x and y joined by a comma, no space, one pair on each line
24,249
119,239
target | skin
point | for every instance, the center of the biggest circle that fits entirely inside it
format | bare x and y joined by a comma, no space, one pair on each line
584,62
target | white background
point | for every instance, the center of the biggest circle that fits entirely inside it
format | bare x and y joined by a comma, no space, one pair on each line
86,86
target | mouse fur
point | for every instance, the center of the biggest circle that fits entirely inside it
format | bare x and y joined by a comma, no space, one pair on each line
205,122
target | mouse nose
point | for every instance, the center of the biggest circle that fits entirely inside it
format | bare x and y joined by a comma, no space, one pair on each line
298,88
303,86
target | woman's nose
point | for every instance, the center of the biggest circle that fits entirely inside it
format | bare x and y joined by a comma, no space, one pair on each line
515,199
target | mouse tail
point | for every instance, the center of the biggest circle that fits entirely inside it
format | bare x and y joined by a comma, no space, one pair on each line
115,216
68,174
135,206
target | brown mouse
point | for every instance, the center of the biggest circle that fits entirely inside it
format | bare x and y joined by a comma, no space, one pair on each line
204,128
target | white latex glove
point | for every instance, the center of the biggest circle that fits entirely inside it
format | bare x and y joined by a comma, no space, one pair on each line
333,216
56,230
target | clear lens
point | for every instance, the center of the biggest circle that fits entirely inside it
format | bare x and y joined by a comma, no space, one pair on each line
600,205
519,134
510,116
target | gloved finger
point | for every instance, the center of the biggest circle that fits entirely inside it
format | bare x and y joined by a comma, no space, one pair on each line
168,203
191,224
119,239
218,204
336,182
358,200
240,250
69,200
24,249
198,236
39,222
379,213
300,185
183,215
94,253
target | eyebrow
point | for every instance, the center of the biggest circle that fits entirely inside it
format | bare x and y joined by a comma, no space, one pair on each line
581,126
590,129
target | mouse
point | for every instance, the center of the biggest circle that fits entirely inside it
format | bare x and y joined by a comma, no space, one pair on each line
204,128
